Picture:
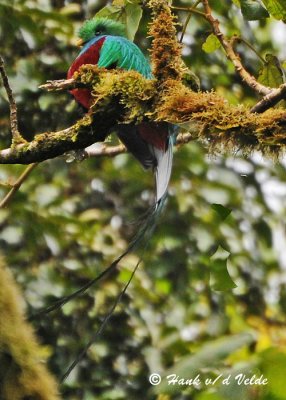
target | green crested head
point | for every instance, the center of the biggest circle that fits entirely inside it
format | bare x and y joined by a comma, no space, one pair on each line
100,26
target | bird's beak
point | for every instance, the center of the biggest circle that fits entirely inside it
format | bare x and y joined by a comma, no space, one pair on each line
79,42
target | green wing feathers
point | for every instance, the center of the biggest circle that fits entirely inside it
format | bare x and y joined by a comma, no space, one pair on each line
120,52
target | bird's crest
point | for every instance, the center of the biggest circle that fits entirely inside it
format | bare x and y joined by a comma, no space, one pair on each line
100,26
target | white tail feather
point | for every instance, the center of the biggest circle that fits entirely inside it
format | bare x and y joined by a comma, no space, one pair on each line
163,170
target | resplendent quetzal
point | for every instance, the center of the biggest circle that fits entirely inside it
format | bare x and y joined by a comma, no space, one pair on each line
104,44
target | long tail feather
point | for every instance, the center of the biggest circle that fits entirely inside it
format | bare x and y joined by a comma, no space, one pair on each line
162,175
100,329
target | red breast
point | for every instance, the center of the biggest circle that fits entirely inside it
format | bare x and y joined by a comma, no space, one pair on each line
89,56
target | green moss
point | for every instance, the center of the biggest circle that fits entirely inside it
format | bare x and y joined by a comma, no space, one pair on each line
131,90
23,372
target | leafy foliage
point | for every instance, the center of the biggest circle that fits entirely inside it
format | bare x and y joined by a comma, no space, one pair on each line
70,220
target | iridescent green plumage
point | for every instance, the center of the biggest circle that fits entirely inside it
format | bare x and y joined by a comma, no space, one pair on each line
100,26
116,51
124,54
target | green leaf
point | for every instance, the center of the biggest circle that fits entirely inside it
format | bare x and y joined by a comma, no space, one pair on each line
211,44
252,10
111,11
128,13
133,15
210,354
222,211
277,8
220,279
271,74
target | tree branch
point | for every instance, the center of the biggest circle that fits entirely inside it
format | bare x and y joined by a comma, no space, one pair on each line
270,99
61,84
228,46
209,117
238,39
231,54
102,150
271,95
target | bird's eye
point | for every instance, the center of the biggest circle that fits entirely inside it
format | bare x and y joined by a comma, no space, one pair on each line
97,33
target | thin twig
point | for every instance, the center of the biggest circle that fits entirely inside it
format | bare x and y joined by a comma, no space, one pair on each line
236,38
112,151
188,20
189,9
16,136
185,27
16,186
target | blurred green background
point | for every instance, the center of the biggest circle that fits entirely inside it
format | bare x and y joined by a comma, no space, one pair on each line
224,225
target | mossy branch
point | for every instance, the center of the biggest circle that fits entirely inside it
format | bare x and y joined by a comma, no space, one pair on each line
126,97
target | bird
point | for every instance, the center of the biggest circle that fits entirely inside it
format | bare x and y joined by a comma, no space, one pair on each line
105,44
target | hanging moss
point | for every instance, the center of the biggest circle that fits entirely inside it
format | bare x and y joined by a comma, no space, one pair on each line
23,374
224,127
